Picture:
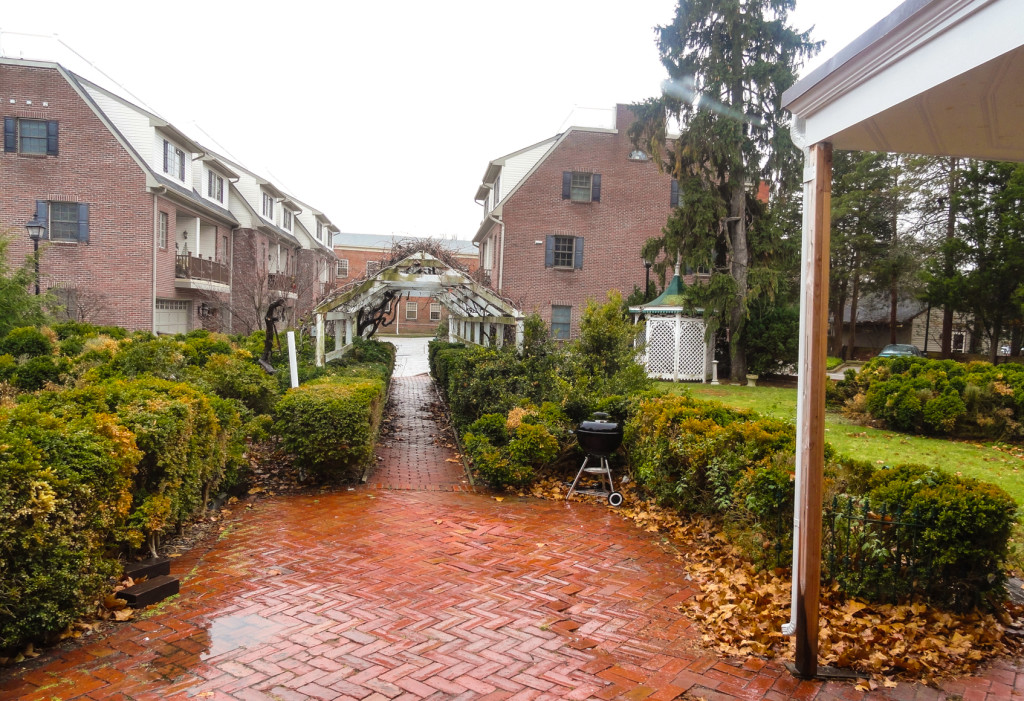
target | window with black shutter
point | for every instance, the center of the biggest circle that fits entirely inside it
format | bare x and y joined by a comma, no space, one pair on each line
33,137
564,252
674,197
581,187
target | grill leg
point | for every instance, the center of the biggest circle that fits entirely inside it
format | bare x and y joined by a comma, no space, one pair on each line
578,475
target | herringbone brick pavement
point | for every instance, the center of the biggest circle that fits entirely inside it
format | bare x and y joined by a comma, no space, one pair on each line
414,454
400,594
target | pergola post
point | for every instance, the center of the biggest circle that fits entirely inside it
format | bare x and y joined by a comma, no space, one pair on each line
452,326
810,423
339,332
348,331
519,335
320,354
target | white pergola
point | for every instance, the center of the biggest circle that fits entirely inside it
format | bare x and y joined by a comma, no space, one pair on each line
939,77
476,313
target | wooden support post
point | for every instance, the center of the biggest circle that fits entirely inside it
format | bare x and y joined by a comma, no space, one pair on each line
810,448
349,324
320,353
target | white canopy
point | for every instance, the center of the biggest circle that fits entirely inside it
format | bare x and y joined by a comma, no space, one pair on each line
937,77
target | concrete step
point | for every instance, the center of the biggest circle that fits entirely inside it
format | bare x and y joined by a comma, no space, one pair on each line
151,591
148,568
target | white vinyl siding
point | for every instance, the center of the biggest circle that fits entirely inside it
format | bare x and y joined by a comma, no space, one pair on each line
516,167
134,126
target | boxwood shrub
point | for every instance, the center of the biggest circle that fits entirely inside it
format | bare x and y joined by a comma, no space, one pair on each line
65,494
330,425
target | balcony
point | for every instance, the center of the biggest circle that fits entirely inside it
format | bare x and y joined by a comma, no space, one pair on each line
280,282
193,272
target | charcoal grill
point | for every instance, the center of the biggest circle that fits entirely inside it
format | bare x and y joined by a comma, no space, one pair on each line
598,438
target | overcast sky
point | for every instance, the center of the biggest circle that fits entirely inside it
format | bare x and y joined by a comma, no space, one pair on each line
383,114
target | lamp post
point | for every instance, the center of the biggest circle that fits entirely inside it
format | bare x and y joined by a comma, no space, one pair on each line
647,280
36,231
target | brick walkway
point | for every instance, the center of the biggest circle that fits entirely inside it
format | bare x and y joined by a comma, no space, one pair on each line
377,594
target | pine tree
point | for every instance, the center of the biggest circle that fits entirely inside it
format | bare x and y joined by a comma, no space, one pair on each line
729,62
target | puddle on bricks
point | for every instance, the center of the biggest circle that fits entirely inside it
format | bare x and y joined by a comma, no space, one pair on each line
229,633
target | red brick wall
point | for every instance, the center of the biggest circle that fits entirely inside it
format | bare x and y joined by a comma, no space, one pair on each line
92,167
634,206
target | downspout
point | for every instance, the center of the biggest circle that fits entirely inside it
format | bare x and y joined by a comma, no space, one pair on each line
796,130
501,250
152,298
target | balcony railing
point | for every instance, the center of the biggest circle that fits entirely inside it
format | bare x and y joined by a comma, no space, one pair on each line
189,266
281,282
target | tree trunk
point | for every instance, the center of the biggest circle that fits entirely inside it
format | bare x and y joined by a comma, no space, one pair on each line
947,268
838,322
740,261
893,294
853,314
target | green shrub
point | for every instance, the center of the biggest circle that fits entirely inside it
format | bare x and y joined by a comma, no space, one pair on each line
966,400
36,372
330,425
200,345
690,453
186,447
493,427
64,499
964,530
238,377
161,357
27,340
532,445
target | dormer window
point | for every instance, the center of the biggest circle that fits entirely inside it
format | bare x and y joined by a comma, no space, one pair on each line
174,161
319,231
268,206
286,218
214,186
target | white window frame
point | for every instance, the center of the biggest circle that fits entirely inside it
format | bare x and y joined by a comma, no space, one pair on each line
287,219
341,269
268,206
372,267
560,254
435,311
577,187
33,139
161,229
555,330
319,231
214,186
174,158
412,310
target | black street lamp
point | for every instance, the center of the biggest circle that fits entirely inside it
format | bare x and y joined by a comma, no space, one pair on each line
36,231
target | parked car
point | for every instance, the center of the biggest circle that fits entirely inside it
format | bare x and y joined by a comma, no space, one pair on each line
897,350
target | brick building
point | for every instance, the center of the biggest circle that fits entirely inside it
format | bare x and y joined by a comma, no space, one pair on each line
565,219
145,227
362,254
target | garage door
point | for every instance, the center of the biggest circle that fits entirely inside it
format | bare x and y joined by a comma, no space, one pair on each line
172,315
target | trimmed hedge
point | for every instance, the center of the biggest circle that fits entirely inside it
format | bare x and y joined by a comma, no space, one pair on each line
330,425
937,397
65,496
702,457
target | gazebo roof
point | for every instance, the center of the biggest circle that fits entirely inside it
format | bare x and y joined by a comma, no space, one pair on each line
671,301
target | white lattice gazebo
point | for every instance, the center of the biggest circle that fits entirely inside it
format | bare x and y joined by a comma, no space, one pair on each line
477,314
676,342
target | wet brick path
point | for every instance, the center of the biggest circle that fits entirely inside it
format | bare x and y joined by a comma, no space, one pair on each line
414,455
407,594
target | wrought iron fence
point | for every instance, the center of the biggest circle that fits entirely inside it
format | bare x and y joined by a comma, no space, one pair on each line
873,552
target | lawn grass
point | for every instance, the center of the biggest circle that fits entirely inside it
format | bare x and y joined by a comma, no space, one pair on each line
991,462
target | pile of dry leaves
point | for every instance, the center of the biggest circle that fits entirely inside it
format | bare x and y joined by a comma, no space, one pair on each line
740,610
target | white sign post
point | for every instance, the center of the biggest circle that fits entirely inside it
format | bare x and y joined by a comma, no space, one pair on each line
292,363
